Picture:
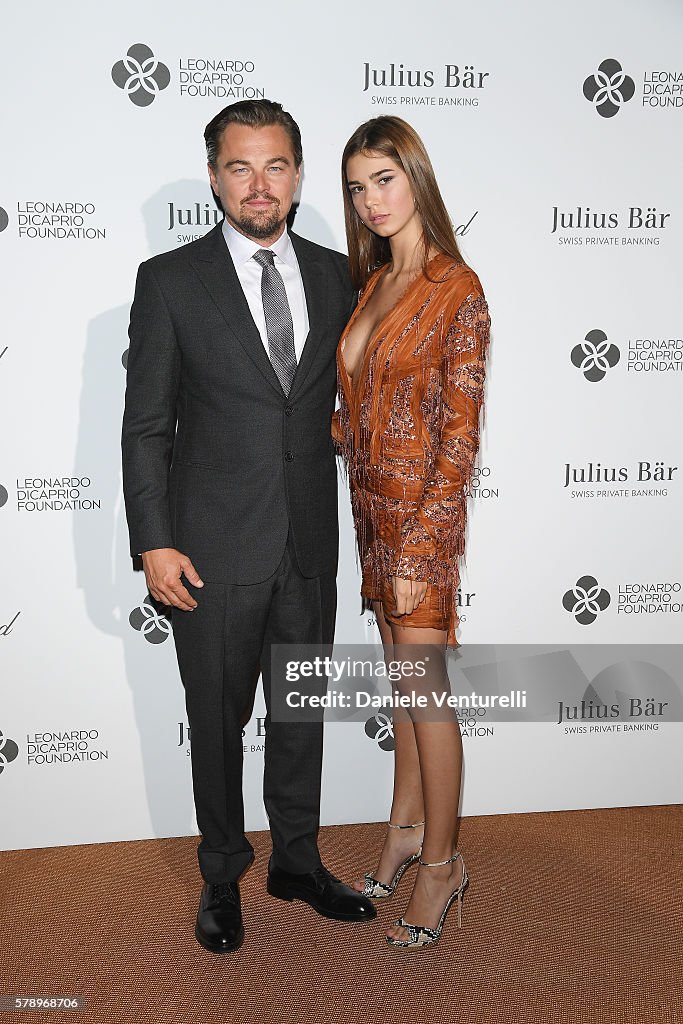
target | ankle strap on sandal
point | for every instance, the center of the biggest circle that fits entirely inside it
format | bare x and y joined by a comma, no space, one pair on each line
439,863
416,825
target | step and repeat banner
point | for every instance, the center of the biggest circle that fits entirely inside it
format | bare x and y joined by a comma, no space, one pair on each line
557,141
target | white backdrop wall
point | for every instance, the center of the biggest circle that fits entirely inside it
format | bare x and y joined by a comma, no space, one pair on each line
506,98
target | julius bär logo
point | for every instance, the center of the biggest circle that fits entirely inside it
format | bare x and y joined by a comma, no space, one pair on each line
8,751
4,219
595,355
380,729
140,75
586,599
154,625
609,88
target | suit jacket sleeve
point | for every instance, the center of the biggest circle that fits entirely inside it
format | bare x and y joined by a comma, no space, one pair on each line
149,419
436,533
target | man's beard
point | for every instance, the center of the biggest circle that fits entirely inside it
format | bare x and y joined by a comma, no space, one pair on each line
262,224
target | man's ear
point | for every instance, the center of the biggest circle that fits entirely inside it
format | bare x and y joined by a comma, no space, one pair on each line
212,178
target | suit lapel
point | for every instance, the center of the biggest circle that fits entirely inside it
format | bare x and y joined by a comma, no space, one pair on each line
217,273
216,270
314,278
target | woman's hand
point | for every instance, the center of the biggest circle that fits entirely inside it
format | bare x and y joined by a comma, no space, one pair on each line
408,594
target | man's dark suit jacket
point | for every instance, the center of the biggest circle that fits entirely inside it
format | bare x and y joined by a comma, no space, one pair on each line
217,461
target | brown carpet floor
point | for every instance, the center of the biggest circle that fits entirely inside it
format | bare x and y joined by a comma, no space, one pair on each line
569,917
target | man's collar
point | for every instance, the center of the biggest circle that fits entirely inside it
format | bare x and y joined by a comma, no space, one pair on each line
242,248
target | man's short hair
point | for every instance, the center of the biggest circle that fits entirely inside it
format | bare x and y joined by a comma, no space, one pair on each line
254,114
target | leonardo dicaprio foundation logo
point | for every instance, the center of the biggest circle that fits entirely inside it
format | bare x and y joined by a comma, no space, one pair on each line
149,620
586,600
595,355
141,75
8,751
609,88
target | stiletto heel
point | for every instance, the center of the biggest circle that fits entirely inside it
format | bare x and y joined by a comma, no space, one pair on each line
420,935
380,890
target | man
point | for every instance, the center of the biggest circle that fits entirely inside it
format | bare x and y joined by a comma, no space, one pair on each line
230,482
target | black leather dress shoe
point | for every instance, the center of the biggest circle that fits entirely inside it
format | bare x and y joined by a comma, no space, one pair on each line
322,891
219,925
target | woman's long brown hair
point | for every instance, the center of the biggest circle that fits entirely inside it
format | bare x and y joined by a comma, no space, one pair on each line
394,137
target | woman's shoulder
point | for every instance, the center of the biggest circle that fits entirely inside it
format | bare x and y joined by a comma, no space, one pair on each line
456,275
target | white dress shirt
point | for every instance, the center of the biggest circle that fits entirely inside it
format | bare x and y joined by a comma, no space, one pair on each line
249,273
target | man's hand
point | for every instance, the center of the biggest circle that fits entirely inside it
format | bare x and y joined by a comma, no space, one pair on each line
408,594
163,569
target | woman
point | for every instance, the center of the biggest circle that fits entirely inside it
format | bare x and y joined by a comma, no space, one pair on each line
411,373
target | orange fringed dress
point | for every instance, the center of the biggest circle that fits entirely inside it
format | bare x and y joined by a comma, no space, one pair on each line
408,431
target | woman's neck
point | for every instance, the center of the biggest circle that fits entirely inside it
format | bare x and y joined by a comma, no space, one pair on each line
407,250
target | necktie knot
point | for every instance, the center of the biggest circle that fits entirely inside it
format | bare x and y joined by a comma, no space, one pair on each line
264,257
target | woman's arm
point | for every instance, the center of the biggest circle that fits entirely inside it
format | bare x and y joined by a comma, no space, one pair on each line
435,534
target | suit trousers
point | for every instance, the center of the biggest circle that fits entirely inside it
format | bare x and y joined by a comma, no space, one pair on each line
222,646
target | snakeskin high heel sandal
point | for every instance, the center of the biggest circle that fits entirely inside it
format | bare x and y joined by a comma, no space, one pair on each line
421,935
379,890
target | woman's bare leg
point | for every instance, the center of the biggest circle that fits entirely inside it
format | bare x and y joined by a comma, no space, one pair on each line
407,805
439,747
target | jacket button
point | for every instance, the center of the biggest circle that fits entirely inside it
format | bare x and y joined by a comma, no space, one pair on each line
288,410
289,456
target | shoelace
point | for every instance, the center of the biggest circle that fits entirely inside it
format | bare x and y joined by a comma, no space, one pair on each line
221,892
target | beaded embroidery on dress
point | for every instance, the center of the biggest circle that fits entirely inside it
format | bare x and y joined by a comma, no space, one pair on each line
408,432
